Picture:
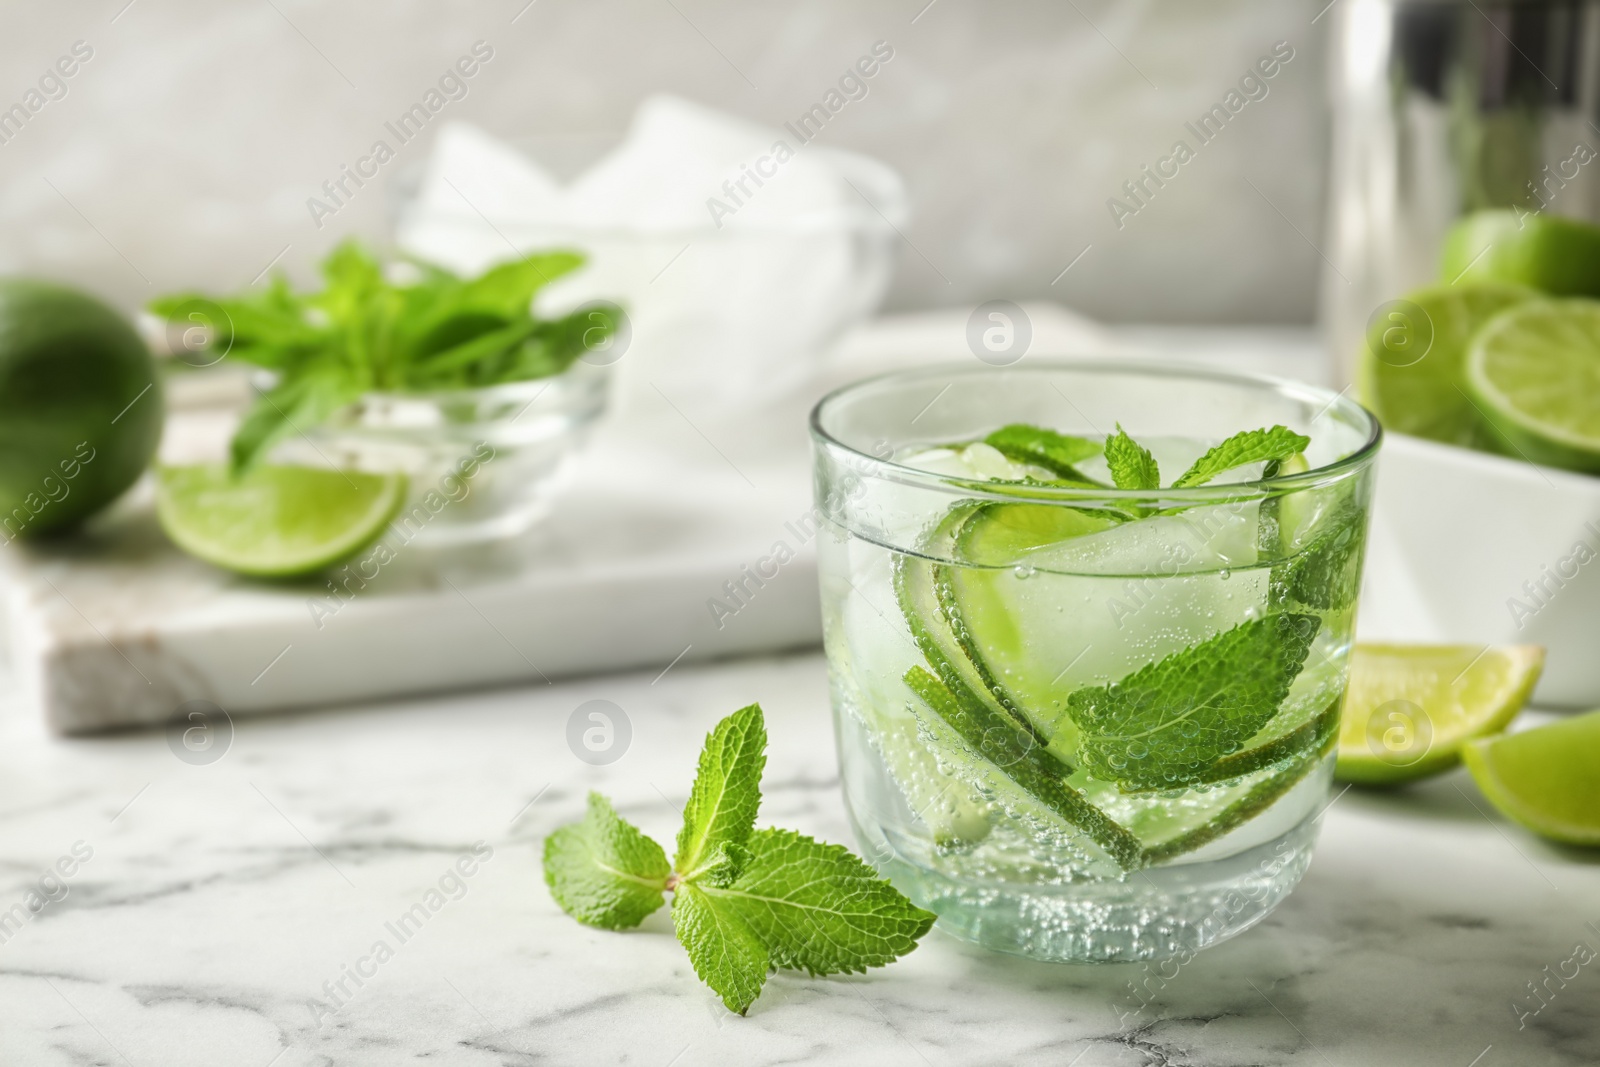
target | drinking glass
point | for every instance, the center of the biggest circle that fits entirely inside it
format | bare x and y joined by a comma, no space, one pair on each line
1079,722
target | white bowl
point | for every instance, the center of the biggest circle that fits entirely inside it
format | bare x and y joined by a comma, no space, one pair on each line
1473,548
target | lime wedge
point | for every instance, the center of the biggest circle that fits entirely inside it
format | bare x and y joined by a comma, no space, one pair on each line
1014,660
1559,256
1412,368
275,522
1410,708
1535,372
1547,778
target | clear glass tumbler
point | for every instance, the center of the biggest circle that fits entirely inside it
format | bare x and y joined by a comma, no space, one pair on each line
1080,722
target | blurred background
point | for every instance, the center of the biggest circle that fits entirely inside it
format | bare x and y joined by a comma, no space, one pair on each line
184,151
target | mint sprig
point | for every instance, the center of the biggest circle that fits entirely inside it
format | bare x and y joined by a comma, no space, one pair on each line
603,871
1253,446
1131,464
743,901
1326,574
1057,453
363,332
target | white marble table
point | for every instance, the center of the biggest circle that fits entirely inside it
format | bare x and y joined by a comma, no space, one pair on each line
220,898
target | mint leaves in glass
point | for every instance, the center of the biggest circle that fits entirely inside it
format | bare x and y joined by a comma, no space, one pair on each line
1087,628
744,901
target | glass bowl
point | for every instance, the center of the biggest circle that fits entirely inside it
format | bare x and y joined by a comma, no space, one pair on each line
482,464
1083,723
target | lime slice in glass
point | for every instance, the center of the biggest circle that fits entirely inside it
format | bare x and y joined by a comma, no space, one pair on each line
1546,778
1412,367
1535,372
1410,708
1556,255
275,522
1015,660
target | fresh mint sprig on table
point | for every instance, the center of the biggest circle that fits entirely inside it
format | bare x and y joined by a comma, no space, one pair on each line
363,333
744,901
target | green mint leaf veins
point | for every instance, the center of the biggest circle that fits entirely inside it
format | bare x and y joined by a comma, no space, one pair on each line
726,953
1252,446
1132,466
1163,725
603,871
1055,452
818,908
727,789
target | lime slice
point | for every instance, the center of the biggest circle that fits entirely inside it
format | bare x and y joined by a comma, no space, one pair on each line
275,522
958,695
1547,778
1410,708
863,644
1015,660
923,601
1535,372
1412,368
1559,256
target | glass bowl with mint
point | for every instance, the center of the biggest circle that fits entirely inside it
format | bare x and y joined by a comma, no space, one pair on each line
456,384
1088,628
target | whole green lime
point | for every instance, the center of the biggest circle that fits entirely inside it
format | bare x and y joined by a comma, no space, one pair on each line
1559,256
80,408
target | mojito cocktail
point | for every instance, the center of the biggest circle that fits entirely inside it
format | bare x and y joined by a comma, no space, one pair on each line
1087,629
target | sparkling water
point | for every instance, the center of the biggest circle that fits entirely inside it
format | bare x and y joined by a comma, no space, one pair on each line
1173,860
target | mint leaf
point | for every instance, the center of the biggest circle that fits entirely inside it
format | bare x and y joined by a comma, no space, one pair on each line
269,328
1326,574
726,952
818,908
603,871
289,408
507,290
727,789
1251,446
1132,465
1055,452
1160,727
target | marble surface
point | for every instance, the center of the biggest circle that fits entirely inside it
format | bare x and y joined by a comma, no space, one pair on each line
218,899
